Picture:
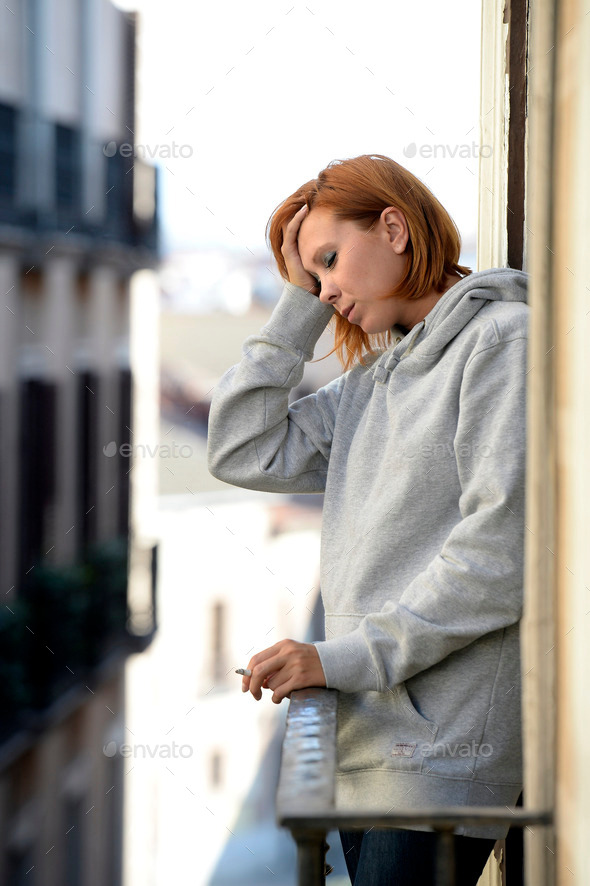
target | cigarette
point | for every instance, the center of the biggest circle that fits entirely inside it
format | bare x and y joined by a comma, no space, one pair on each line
244,672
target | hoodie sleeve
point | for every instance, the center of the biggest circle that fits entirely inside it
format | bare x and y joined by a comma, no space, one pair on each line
255,439
474,585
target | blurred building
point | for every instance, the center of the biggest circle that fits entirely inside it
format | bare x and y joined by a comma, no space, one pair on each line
77,220
238,571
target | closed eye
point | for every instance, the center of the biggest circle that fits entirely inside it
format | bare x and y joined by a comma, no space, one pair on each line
329,260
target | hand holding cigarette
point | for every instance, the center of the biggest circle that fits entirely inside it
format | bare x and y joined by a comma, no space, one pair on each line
286,666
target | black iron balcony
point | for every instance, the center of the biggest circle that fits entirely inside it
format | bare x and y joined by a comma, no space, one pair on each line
59,630
66,163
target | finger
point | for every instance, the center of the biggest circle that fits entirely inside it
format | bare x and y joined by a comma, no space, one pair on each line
282,691
296,273
294,222
259,680
266,681
264,654
263,666
263,672
291,230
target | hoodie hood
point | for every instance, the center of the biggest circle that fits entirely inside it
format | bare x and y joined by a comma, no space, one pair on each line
456,308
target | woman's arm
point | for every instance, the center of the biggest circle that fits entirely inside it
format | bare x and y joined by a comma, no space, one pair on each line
255,439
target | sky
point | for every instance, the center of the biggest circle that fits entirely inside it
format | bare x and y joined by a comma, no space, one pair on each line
240,103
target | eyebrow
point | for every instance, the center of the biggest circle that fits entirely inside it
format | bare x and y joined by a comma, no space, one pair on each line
316,258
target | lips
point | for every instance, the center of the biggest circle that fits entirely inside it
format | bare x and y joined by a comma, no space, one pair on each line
345,313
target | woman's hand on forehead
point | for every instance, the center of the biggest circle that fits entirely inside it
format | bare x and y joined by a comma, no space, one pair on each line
290,251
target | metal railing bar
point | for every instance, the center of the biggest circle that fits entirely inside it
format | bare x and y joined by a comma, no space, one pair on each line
438,817
445,858
311,858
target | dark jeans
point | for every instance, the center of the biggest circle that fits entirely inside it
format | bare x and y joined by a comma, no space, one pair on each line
408,858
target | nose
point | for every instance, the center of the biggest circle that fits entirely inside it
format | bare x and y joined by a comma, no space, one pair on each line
329,292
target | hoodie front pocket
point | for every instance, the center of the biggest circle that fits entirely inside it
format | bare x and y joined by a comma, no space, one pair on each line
383,730
414,736
424,729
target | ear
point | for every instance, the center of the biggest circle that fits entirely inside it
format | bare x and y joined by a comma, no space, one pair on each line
396,228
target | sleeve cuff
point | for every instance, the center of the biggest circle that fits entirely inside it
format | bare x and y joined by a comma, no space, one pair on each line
347,664
299,318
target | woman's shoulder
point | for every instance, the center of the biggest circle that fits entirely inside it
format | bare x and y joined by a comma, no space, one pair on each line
504,320
504,314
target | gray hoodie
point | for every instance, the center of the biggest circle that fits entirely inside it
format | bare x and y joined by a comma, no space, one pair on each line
421,456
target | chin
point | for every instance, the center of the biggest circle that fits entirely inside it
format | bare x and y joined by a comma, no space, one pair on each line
374,329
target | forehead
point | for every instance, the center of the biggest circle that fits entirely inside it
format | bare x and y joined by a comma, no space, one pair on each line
320,228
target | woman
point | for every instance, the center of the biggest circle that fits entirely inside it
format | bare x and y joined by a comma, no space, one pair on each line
419,448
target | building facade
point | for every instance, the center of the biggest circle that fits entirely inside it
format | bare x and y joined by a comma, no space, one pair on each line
77,221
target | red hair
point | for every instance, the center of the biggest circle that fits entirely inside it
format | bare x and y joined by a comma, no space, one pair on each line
358,190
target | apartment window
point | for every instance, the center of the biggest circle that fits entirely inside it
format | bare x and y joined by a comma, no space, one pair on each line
88,451
218,631
113,811
67,169
120,195
216,769
8,121
37,467
124,437
73,819
21,868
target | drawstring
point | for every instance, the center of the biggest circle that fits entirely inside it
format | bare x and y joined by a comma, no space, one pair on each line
384,367
388,360
413,342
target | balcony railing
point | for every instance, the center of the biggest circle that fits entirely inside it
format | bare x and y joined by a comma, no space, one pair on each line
305,796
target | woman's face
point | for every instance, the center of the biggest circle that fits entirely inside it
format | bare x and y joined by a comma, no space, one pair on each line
356,268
